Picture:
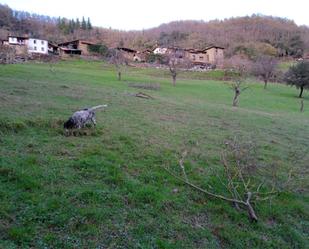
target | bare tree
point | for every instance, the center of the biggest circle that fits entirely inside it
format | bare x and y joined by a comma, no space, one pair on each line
265,67
241,67
237,91
117,58
176,61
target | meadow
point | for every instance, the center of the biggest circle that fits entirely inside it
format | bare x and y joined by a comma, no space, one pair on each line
106,187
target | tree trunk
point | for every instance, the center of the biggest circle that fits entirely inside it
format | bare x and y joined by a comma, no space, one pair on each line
265,84
235,100
119,75
302,105
301,92
174,80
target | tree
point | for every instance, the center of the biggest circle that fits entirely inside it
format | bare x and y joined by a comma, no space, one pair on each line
241,67
89,25
84,24
99,49
77,23
298,75
175,60
117,58
265,67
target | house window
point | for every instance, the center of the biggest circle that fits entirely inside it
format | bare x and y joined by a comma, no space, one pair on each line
42,42
42,48
34,41
34,48
201,57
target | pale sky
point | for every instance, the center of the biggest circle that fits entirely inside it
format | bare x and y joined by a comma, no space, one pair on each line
143,14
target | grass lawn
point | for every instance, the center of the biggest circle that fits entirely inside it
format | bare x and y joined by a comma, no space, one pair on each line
107,188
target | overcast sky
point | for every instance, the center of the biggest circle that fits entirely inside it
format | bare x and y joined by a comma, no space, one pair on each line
143,14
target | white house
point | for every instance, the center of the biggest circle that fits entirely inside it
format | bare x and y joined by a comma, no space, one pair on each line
17,40
160,51
31,45
37,46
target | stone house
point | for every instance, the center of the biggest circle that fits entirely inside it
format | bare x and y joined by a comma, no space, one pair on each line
76,47
210,55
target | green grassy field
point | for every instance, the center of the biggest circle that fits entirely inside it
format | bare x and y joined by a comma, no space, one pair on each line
107,188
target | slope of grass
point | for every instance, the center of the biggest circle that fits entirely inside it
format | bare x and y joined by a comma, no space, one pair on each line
106,188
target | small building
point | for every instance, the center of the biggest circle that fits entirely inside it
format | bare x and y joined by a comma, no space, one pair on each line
76,47
197,56
24,45
37,46
210,55
215,54
129,54
159,50
53,48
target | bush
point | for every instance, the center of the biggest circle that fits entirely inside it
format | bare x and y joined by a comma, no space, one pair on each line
100,49
156,58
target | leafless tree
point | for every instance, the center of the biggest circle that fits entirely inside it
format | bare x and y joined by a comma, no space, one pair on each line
176,61
117,58
241,67
265,67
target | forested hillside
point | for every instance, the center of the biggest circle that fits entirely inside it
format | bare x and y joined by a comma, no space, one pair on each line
248,35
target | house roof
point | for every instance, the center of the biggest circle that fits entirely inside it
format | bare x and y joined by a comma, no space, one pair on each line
69,49
213,47
87,42
52,45
129,50
75,41
195,51
20,37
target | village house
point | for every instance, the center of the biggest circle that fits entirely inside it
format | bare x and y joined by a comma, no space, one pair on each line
129,54
160,50
134,55
215,54
76,47
210,55
24,45
53,48
197,56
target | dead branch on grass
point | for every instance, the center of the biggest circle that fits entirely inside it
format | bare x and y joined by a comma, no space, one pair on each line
240,178
143,95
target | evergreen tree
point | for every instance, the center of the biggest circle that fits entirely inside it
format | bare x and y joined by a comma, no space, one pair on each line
89,25
71,26
77,24
59,23
84,24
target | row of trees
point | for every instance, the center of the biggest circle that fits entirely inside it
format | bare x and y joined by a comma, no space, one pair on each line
70,26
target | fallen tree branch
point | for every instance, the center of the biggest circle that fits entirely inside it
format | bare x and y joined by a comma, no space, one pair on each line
143,95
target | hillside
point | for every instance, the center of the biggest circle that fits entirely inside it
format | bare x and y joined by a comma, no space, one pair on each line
107,187
278,35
